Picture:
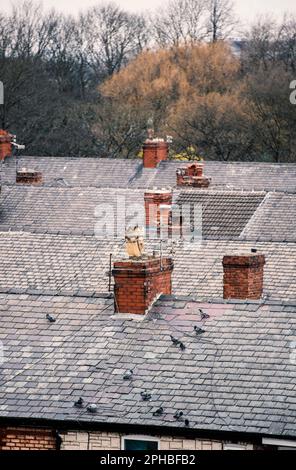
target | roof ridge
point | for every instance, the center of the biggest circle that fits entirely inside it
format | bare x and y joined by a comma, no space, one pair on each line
235,191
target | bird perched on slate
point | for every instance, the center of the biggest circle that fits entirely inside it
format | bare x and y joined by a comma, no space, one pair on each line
158,412
174,340
92,408
203,315
177,342
186,422
79,403
178,415
50,318
198,330
128,375
145,396
182,346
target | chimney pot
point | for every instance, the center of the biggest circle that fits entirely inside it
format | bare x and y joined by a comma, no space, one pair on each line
243,276
138,283
134,242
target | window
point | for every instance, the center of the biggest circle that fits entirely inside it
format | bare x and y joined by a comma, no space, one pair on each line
231,446
281,444
139,443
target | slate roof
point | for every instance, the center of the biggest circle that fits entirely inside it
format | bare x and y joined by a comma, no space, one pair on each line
75,210
78,172
237,376
274,220
78,210
75,189
123,173
227,176
54,263
224,215
199,271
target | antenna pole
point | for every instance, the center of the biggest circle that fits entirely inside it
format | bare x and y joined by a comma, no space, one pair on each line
110,272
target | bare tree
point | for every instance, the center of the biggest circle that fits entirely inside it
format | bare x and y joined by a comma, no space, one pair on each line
119,128
51,64
25,35
6,31
179,22
272,116
221,20
32,29
61,54
114,37
270,43
287,43
262,43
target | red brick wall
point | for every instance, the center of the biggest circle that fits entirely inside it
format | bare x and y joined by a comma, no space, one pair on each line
137,283
154,152
243,276
19,438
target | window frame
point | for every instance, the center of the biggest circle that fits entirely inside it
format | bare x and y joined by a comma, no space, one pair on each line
138,437
269,441
233,446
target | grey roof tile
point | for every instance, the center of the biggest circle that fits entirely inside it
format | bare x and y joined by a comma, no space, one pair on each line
238,376
66,211
234,176
223,214
77,265
65,172
48,376
274,219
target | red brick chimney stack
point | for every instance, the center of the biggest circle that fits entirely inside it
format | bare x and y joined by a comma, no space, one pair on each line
192,176
158,209
154,151
243,276
138,283
25,176
5,144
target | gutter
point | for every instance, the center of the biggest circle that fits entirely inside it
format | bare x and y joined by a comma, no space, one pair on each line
85,426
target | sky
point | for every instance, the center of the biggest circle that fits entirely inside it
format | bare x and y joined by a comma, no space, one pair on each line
248,10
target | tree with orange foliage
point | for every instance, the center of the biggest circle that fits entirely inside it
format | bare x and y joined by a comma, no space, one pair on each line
160,83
